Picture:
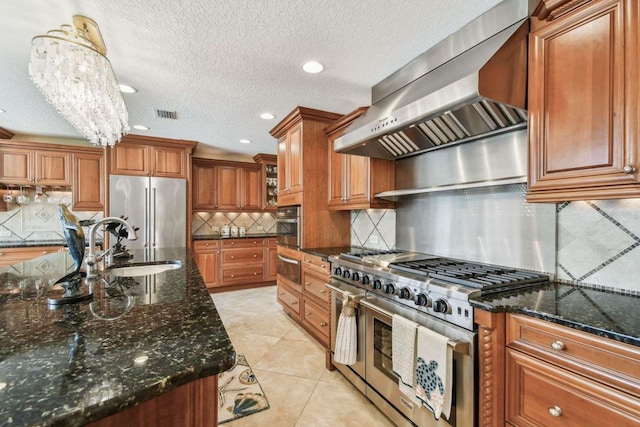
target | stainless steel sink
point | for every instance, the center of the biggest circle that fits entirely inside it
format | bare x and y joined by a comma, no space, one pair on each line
144,268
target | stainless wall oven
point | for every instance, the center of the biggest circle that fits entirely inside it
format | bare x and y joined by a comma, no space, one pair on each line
288,226
288,269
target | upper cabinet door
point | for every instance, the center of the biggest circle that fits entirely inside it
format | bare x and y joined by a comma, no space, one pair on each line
16,165
251,189
204,188
53,168
294,158
168,162
228,181
583,104
88,182
130,160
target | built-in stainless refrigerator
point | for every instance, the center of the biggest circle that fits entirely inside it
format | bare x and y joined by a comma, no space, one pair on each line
158,206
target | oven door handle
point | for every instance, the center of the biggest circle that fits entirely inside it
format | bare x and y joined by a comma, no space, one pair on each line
461,347
294,220
290,261
356,298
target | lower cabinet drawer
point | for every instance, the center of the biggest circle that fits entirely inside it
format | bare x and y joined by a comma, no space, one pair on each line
542,394
315,284
315,317
288,299
242,255
245,274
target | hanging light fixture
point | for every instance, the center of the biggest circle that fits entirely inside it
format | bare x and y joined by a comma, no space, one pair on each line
70,67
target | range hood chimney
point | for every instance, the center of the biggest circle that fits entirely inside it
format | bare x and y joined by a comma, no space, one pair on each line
469,86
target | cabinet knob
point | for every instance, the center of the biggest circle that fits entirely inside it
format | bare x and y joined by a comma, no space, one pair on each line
233,275
557,345
307,283
233,257
206,244
1,254
555,411
323,324
255,273
294,303
233,243
322,291
255,256
308,313
44,252
629,169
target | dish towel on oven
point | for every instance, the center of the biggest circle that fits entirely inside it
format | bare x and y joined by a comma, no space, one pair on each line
403,353
346,351
434,371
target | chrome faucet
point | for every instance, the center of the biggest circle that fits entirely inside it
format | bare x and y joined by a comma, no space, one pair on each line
92,257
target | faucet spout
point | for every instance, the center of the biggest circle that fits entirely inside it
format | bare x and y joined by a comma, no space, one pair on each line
92,257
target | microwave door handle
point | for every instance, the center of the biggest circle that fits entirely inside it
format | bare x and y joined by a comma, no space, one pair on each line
290,261
287,220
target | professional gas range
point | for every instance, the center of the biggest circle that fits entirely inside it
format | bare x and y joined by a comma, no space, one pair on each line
438,286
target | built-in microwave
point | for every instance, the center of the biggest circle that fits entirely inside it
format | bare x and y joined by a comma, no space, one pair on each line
288,226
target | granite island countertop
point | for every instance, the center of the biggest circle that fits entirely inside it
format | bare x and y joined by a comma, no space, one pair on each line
137,339
600,312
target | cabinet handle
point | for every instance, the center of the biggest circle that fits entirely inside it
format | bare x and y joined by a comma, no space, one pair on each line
233,243
1,254
255,256
308,313
281,293
555,411
557,345
307,283
629,169
294,303
44,252
233,275
322,266
323,324
322,291
206,244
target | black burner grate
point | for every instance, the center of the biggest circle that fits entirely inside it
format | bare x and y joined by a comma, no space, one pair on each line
361,253
470,274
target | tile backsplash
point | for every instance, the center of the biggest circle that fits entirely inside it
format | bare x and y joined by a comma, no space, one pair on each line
597,241
36,222
202,223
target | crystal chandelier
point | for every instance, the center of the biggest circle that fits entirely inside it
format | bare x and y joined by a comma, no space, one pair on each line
70,67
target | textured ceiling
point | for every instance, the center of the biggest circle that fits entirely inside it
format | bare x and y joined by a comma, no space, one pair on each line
220,64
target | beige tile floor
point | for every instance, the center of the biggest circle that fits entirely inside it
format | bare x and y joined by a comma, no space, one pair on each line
289,365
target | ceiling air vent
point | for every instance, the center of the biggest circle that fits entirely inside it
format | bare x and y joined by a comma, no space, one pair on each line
164,114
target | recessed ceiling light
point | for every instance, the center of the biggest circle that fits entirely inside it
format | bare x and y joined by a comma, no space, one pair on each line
141,127
127,89
313,67
267,116
245,141
4,111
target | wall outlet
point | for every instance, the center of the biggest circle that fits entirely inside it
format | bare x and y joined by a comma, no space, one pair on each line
5,233
215,229
373,240
260,228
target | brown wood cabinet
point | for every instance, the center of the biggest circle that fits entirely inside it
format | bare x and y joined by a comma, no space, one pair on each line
584,120
269,165
271,260
190,405
226,186
303,177
535,372
207,256
10,256
150,156
239,187
29,166
354,180
309,303
88,182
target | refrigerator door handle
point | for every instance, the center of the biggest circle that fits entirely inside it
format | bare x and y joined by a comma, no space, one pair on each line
146,216
154,207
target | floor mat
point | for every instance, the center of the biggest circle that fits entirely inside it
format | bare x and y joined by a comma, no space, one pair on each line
239,392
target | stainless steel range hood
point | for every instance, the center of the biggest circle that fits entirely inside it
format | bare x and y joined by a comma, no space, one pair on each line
469,86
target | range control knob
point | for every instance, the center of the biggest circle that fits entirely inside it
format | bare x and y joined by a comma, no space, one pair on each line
422,299
346,273
366,280
440,306
337,271
389,288
377,284
355,276
405,293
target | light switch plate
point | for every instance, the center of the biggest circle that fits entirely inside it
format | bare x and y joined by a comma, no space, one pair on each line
215,229
373,240
5,233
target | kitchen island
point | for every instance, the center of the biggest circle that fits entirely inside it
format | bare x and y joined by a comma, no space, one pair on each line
146,341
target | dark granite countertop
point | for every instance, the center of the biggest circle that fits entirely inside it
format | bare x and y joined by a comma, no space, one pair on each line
138,338
247,236
325,253
36,243
604,313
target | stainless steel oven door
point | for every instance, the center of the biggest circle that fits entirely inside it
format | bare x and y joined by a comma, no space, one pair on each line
288,232
384,382
354,373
